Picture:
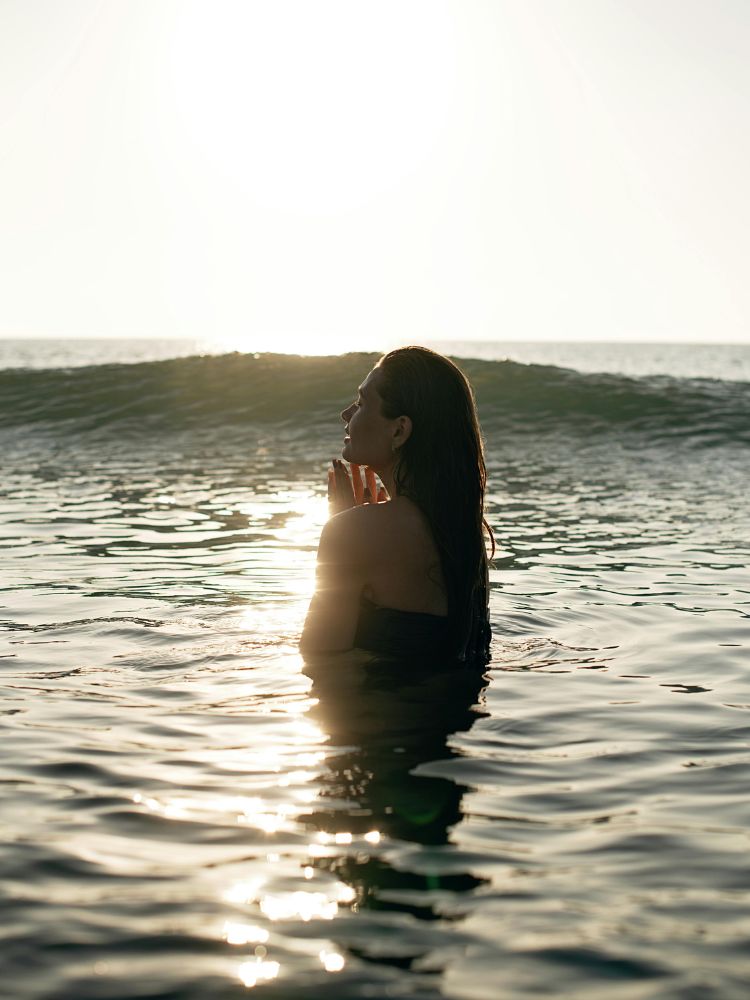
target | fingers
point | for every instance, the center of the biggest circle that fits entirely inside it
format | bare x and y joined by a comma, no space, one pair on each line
359,489
345,491
343,483
341,493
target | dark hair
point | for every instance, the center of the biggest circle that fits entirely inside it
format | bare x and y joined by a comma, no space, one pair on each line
441,468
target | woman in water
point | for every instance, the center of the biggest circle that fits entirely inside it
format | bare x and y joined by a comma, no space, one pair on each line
406,576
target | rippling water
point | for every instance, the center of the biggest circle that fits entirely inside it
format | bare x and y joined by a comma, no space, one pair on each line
188,813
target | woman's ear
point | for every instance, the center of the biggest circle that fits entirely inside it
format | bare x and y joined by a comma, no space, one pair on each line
402,432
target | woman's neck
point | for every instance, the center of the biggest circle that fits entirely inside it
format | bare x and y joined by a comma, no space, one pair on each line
386,476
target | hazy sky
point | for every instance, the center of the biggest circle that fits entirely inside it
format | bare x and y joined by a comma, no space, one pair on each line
331,174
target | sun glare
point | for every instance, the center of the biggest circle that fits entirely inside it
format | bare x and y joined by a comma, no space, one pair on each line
297,342
330,86
300,125
258,971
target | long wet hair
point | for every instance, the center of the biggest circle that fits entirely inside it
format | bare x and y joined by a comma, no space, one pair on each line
441,468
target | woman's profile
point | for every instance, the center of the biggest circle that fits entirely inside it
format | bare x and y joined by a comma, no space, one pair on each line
402,568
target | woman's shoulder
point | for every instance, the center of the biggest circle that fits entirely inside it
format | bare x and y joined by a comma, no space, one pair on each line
395,513
354,532
363,532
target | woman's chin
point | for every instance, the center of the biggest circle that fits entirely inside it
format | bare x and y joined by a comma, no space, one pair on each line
350,456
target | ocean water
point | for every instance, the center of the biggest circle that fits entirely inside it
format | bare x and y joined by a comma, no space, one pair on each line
720,361
186,813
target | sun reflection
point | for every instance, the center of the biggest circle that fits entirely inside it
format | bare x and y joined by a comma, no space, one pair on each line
268,822
236,933
288,760
332,961
259,971
318,850
245,891
304,514
310,514
292,520
294,778
326,842
249,811
299,905
345,893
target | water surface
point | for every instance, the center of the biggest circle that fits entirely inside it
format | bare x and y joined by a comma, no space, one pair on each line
188,812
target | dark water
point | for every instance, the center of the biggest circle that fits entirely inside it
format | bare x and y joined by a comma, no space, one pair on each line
187,814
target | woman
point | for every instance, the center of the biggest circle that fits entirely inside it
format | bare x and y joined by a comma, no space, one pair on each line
408,576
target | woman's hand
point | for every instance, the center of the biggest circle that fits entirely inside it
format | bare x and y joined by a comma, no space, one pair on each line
345,491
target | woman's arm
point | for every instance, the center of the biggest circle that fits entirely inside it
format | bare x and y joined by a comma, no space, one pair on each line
341,573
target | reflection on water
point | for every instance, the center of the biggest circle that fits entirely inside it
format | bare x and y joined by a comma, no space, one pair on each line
189,811
386,719
378,721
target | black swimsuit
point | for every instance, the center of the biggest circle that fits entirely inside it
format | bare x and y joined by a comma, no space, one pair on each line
390,632
414,634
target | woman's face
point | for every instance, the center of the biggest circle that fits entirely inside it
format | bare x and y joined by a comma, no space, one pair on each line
369,435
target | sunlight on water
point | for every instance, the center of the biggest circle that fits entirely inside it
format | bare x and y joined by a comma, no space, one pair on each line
332,961
299,904
306,512
244,892
184,798
303,905
241,934
247,811
259,971
266,759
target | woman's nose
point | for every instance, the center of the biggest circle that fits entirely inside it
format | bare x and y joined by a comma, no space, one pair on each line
345,414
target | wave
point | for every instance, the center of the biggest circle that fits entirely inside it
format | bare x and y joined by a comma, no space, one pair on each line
240,389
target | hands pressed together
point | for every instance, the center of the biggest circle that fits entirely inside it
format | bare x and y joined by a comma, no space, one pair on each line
345,490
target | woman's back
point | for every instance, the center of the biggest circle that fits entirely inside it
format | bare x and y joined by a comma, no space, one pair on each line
403,569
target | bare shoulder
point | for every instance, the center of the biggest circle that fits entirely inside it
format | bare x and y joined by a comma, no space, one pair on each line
352,534
403,521
359,533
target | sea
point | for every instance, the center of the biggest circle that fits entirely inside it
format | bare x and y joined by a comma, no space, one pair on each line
189,812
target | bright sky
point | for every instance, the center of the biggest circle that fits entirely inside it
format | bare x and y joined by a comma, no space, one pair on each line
337,174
